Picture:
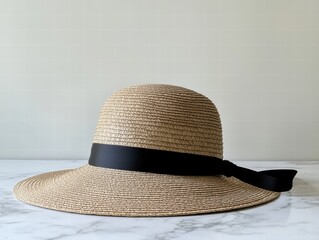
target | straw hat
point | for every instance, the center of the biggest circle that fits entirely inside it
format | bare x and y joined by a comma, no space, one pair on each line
163,118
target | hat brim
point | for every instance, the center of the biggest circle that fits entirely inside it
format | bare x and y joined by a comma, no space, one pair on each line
111,192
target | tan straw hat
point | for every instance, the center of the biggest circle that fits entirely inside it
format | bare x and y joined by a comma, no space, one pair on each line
157,151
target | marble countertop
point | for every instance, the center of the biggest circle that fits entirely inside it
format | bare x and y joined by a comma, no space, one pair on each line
294,215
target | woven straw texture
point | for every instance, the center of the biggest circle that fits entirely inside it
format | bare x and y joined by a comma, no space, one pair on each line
149,116
161,117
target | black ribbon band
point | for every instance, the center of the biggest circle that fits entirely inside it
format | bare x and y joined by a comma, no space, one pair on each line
175,163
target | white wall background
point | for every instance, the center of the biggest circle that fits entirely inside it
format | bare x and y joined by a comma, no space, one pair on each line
257,60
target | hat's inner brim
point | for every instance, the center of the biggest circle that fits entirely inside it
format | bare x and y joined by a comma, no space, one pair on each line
102,191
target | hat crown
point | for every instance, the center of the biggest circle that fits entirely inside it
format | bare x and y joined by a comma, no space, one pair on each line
164,117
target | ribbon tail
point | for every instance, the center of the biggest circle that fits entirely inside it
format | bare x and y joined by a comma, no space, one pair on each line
278,180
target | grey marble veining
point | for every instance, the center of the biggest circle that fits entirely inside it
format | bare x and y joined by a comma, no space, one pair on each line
294,215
